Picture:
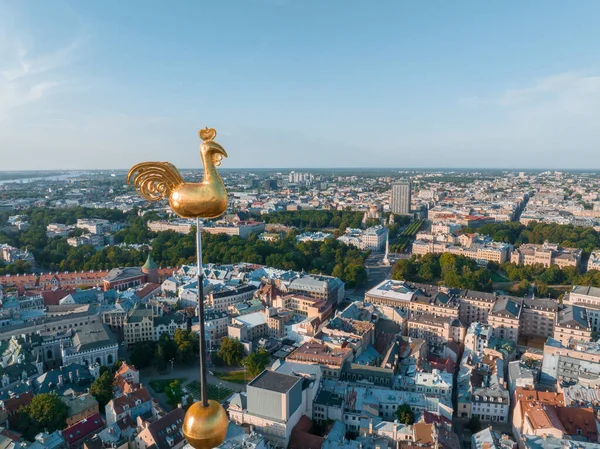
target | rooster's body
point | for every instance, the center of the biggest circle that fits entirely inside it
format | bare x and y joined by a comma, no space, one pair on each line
207,199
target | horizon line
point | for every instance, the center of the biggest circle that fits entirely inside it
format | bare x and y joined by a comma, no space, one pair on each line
323,168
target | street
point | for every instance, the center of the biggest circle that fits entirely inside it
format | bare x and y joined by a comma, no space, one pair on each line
376,272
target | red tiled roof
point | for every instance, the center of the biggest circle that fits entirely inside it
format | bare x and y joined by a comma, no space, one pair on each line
53,297
576,420
301,438
125,367
13,404
149,288
129,399
83,429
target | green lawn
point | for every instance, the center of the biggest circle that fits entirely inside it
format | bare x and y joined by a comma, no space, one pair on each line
497,277
238,377
214,392
160,385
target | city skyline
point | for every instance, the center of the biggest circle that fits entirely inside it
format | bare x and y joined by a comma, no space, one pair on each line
428,85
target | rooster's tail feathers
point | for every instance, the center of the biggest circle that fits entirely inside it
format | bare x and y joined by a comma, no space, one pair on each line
154,180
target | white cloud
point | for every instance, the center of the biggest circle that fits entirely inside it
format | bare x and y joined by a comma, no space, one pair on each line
27,75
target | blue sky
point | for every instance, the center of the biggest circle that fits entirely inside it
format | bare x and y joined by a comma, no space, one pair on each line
330,83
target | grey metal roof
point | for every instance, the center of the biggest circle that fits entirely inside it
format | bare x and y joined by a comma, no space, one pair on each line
573,316
585,290
509,306
92,336
273,381
121,274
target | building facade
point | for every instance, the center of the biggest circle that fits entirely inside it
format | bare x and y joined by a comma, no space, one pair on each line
401,197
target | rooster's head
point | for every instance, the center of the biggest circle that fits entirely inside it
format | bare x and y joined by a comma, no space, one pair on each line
210,148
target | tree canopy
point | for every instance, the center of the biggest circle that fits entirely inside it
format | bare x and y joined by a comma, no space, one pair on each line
174,393
256,362
452,270
102,388
405,414
231,351
45,412
307,220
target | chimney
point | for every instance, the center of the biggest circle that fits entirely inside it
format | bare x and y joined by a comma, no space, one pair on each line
371,426
71,376
60,380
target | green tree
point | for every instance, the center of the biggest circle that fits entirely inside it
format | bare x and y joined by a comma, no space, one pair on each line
256,362
231,351
167,348
474,424
142,354
405,414
45,412
102,389
174,393
185,352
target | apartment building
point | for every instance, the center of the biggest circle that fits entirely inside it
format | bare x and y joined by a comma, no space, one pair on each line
505,317
547,255
169,323
472,246
437,331
216,323
490,404
330,360
94,225
132,404
566,364
478,337
220,301
475,306
242,229
328,288
139,325
179,226
538,317
438,301
572,324
589,298
165,432
248,327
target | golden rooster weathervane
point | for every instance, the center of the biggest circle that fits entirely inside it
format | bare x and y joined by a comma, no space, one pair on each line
205,423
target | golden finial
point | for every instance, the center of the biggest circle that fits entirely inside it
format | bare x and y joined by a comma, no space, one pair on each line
207,133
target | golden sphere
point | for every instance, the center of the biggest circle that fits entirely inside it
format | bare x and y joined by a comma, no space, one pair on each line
205,427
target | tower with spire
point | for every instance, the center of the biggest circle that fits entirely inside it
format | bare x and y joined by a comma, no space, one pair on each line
150,269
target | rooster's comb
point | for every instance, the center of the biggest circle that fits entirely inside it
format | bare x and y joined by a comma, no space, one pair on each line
207,133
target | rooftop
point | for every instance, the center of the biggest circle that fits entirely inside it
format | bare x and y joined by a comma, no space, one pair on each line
573,316
390,289
274,381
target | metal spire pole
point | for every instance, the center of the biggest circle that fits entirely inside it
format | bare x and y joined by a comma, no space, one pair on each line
203,389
